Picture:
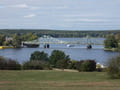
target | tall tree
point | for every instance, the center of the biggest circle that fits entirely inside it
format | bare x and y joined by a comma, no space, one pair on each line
16,42
57,55
37,55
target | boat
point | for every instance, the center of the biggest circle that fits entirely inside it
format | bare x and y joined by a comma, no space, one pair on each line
89,46
69,45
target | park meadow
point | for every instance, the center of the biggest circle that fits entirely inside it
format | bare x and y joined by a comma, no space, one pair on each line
56,80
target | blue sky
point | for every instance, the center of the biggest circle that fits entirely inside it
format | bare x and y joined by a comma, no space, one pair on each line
60,14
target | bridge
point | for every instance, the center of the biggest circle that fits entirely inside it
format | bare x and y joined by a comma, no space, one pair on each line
51,40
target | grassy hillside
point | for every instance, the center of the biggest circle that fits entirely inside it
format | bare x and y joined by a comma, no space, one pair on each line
56,80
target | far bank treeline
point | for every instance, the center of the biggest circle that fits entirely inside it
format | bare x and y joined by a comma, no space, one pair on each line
58,33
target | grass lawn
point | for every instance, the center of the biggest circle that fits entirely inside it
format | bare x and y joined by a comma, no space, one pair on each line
56,80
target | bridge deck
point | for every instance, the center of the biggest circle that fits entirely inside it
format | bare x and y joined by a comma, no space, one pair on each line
51,40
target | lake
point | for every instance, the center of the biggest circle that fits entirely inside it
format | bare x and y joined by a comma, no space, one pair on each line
78,52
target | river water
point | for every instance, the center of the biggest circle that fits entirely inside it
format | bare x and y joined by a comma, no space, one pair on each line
78,52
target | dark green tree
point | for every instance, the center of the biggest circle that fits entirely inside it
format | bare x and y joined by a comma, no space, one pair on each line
37,55
57,55
110,42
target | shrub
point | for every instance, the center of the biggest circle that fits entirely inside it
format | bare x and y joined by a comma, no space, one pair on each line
62,64
36,65
9,64
72,64
13,65
47,67
86,65
113,67
31,65
2,63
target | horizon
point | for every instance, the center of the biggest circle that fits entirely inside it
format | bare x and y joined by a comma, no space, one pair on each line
56,30
71,15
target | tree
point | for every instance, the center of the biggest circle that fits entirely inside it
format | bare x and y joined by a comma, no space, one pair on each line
110,42
37,55
7,43
29,37
117,36
2,39
57,55
16,42
113,67
62,64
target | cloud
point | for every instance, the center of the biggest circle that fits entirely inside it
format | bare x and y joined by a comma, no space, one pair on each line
34,7
86,20
61,7
46,8
19,6
30,16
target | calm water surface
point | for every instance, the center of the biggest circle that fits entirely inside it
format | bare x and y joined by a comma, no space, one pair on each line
78,52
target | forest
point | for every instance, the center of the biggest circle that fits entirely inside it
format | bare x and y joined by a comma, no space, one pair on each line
58,33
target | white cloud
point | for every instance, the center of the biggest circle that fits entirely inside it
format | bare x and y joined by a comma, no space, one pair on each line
86,20
30,16
61,7
83,15
53,7
34,8
19,6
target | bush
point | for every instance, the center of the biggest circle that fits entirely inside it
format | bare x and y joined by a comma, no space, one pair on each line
62,64
2,63
86,65
31,65
13,65
9,64
36,65
113,67
72,64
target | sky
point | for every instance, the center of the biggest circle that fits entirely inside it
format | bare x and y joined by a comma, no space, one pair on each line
60,14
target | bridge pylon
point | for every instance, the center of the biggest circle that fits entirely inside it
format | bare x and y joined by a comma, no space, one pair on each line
89,43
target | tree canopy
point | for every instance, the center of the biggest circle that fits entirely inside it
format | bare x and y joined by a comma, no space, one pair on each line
57,55
37,55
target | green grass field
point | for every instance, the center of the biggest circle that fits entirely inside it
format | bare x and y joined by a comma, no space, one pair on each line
56,80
